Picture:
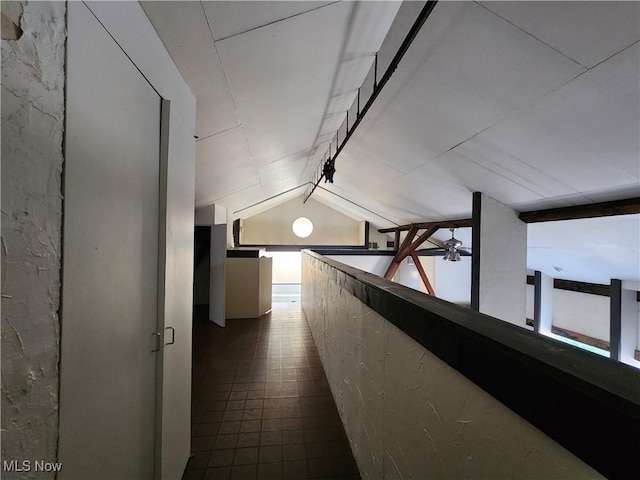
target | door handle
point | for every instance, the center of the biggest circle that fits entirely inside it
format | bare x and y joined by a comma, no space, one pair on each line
173,335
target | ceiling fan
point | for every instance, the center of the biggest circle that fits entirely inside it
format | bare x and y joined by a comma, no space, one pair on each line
452,246
452,250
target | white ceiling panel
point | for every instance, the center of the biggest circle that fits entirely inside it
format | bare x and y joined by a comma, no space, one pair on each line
258,202
229,18
352,204
281,75
585,134
588,250
223,166
588,32
281,175
536,104
184,30
456,82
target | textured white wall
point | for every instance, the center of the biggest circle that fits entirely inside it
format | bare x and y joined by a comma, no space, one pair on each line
410,415
32,130
273,227
503,262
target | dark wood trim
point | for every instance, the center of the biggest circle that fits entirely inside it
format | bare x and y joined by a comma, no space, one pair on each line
615,323
628,206
579,337
463,222
537,300
236,232
475,251
580,287
295,248
366,234
396,240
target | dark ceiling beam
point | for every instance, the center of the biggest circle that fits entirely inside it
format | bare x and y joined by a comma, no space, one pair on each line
627,206
580,287
463,222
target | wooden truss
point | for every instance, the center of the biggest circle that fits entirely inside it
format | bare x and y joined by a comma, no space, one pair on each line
409,245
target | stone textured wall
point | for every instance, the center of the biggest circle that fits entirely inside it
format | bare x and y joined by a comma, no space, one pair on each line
407,413
32,160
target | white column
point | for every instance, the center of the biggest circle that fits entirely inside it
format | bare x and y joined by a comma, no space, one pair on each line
217,284
215,217
543,303
499,263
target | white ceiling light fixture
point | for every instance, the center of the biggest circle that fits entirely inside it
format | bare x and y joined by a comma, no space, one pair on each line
452,246
302,227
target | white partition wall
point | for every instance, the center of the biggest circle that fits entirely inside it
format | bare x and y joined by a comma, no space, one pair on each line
543,303
128,251
499,265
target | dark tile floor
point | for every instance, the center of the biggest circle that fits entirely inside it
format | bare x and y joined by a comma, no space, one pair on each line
262,408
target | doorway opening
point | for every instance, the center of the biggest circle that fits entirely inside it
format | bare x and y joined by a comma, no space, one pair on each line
287,276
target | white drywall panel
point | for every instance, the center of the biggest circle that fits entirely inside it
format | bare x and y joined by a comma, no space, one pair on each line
264,285
582,313
32,132
503,262
453,280
543,303
133,32
242,287
205,215
217,275
111,271
410,415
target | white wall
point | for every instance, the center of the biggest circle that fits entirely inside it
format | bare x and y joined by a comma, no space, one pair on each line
503,262
32,160
375,264
131,28
410,415
453,280
287,267
409,276
580,312
273,227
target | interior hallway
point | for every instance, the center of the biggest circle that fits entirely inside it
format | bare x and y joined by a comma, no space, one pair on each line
262,407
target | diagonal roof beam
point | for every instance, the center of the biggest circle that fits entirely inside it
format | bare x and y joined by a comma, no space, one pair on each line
407,248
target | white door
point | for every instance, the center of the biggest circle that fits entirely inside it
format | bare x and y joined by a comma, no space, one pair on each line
110,260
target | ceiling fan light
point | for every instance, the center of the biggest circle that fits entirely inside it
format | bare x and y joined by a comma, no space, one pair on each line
446,255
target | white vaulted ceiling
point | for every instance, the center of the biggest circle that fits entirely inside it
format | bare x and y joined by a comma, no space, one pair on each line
536,104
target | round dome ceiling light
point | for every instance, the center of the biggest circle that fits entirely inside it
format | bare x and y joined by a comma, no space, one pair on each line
302,227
